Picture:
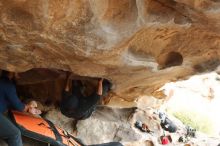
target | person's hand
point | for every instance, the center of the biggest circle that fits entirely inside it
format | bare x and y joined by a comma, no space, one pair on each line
32,104
32,108
34,111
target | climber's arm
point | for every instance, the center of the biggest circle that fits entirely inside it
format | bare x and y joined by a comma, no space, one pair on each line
68,81
99,91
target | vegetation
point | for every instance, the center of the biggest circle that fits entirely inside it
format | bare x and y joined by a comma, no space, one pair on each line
196,120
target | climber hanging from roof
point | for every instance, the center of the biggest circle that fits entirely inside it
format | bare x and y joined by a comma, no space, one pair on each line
75,105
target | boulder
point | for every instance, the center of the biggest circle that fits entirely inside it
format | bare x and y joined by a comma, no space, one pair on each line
137,44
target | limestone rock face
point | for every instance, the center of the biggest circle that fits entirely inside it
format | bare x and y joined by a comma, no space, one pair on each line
104,127
137,44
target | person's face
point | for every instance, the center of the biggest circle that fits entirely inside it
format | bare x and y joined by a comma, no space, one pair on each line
13,75
16,76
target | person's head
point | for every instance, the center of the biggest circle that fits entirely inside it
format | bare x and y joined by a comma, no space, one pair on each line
106,97
8,74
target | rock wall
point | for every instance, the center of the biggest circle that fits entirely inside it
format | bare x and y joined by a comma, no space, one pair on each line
137,44
112,124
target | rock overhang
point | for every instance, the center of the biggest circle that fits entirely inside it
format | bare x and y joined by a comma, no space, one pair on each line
137,44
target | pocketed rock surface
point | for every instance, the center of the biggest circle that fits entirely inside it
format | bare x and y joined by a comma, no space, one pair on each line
137,44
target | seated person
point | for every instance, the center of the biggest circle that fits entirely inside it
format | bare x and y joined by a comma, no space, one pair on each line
75,105
9,100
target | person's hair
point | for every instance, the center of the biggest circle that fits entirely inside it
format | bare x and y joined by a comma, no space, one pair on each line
4,74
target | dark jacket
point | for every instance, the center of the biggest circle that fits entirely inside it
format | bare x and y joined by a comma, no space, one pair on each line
78,108
8,96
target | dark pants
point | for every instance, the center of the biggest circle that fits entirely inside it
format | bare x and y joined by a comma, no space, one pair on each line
9,132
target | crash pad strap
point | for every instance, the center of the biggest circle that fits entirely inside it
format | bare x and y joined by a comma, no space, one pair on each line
55,131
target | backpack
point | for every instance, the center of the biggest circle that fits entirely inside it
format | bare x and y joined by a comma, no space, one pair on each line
168,125
42,130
